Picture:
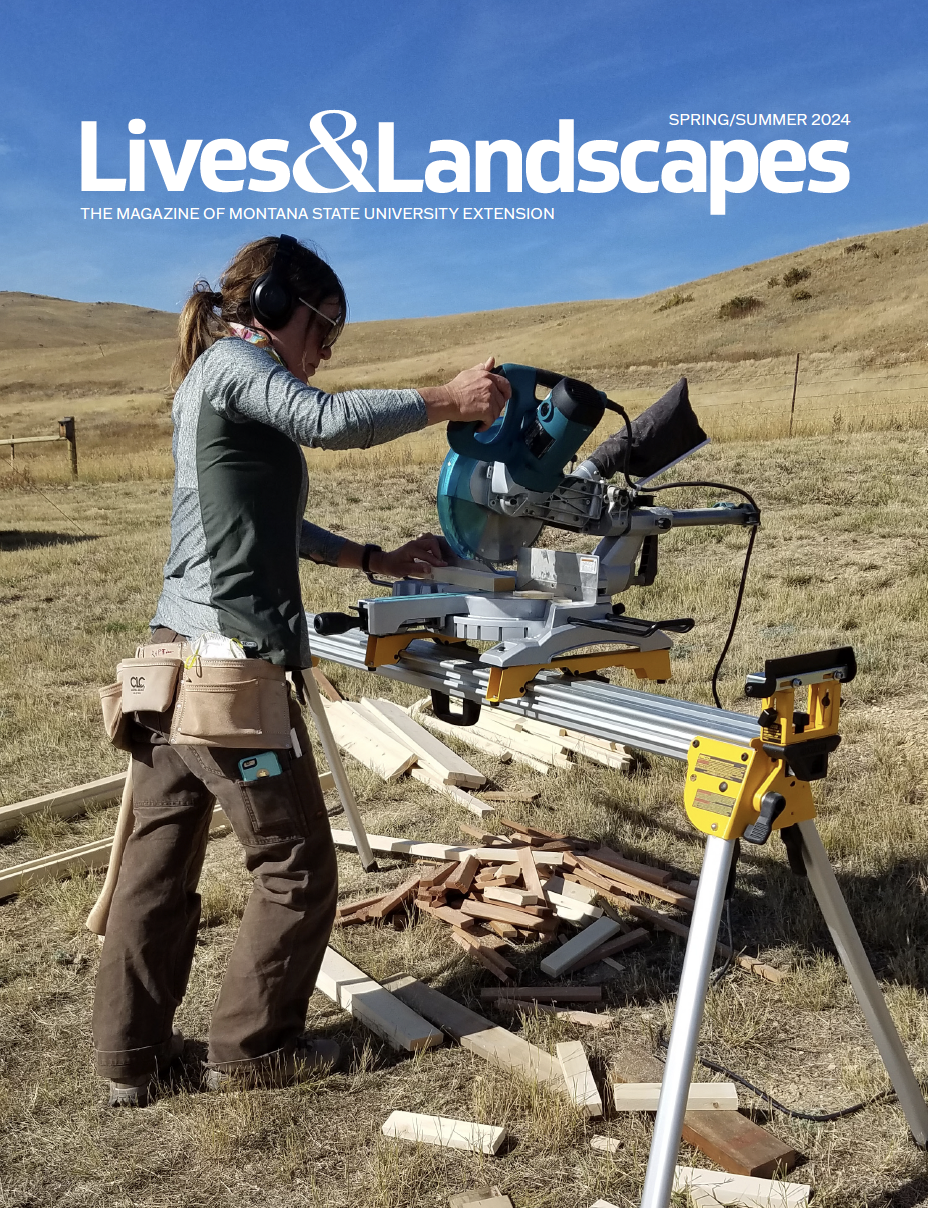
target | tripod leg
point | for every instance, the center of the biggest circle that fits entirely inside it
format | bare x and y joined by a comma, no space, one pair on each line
862,978
337,768
691,997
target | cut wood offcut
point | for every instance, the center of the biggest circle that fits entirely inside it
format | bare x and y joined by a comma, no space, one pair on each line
562,961
461,796
375,1007
702,1097
480,1197
581,1085
711,1188
444,1131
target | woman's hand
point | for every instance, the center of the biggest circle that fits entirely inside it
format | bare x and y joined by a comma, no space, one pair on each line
475,395
414,558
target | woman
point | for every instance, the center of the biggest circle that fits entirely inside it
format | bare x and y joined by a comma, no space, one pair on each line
242,410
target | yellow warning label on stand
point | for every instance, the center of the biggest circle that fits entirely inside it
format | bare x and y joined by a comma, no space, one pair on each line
714,802
721,769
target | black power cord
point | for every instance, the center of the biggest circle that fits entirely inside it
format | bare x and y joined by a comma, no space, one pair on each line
717,486
815,1117
721,486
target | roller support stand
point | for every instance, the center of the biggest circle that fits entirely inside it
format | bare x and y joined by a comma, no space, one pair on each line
687,1018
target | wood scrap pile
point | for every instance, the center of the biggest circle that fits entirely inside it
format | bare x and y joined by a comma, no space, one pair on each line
504,892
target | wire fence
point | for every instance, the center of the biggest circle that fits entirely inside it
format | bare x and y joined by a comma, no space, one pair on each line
796,400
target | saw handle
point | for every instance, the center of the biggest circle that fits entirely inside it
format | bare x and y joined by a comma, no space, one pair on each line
464,438
441,707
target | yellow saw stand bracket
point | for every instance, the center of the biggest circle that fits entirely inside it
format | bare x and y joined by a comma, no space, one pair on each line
730,790
735,791
508,683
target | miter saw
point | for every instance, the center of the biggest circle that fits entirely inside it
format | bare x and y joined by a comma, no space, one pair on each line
543,609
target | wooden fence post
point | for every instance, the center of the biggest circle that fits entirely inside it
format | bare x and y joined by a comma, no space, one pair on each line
66,430
792,406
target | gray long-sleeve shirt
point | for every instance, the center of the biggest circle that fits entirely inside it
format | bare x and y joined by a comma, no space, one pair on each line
240,490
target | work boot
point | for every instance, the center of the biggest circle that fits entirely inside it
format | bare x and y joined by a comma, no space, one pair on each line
138,1094
309,1057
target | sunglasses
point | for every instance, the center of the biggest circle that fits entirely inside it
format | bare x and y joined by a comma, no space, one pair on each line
335,325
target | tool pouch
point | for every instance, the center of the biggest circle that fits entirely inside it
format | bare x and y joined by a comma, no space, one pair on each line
115,722
148,683
232,703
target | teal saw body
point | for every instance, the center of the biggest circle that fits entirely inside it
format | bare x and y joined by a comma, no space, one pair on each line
534,439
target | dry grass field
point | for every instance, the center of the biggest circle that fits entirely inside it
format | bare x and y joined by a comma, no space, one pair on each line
842,558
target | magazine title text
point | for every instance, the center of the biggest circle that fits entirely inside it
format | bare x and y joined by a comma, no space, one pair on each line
333,165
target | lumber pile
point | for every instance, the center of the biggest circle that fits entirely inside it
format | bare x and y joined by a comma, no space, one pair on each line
536,744
383,737
502,893
393,742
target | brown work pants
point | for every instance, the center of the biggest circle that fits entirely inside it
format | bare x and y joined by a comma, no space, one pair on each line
151,932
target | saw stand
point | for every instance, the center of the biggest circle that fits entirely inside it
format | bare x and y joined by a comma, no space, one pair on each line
735,793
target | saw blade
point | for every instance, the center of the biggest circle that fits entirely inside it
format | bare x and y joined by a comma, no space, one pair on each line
471,529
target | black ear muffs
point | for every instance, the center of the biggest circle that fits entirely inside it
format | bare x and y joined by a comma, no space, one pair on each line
272,298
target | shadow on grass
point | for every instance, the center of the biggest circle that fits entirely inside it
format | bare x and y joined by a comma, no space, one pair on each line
908,1196
14,539
771,907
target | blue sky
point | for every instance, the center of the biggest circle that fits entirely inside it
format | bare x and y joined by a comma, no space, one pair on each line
482,70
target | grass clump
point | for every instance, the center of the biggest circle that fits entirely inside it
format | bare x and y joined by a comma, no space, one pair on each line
801,295
739,307
857,246
675,299
794,275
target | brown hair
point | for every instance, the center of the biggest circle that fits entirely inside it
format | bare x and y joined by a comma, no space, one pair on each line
208,313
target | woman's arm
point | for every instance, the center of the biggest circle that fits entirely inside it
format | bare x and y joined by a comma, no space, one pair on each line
244,382
319,545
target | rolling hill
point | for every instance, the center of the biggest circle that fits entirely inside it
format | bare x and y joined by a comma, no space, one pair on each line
866,300
854,309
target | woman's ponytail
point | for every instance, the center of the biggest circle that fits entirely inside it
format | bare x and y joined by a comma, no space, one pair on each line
200,325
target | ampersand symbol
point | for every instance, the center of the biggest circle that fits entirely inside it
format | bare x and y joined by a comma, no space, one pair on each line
353,175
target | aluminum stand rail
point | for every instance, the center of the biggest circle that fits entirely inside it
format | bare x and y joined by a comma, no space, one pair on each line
657,725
